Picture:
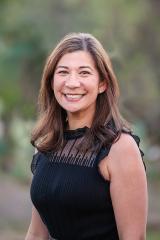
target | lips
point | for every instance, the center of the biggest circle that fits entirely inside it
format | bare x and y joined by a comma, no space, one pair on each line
73,97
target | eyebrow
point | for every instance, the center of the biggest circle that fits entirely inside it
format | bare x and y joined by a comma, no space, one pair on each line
79,67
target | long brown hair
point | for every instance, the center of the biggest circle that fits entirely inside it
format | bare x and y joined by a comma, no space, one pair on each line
107,123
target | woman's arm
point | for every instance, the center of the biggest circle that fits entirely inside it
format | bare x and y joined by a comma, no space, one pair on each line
37,230
128,188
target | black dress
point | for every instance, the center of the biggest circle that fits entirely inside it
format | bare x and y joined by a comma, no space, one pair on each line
71,196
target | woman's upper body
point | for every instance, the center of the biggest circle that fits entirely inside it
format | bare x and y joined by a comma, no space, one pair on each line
101,198
89,180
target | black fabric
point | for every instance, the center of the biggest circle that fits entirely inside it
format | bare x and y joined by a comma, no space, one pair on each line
71,196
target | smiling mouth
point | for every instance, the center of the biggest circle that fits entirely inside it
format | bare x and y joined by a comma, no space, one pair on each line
73,96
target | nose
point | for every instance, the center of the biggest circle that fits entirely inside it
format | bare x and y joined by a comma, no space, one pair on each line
72,81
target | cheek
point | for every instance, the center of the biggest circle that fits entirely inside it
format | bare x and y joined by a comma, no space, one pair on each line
56,84
93,86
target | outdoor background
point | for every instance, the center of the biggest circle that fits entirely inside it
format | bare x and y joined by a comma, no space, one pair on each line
29,30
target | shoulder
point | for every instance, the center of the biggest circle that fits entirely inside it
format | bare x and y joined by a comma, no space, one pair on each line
125,144
124,158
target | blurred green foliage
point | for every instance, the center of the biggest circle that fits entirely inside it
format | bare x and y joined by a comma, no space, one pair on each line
153,235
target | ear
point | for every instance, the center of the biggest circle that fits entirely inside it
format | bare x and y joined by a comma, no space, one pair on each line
102,86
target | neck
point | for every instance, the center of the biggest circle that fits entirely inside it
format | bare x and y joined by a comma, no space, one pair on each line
78,121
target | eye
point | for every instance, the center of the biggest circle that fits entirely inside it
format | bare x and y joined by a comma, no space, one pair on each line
62,72
84,73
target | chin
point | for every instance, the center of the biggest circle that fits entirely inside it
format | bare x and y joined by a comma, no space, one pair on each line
73,110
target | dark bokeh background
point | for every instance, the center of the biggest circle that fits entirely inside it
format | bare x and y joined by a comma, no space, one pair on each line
29,30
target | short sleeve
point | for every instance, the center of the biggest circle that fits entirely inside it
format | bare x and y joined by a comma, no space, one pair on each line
34,162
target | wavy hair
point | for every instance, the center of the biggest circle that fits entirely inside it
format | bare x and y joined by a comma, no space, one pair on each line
107,125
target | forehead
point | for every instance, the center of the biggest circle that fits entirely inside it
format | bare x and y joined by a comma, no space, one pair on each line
76,59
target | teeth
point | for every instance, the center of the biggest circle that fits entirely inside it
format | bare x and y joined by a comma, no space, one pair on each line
74,96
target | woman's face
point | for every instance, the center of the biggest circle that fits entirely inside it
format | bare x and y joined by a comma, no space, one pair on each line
76,83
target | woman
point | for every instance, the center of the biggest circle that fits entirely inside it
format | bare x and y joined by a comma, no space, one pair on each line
89,178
